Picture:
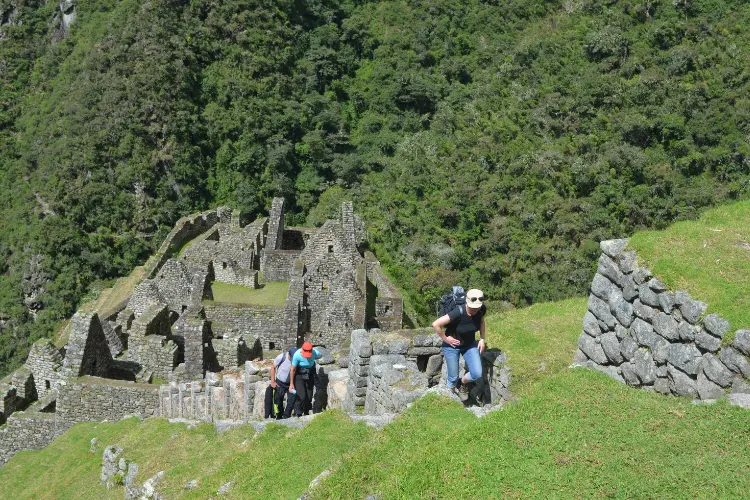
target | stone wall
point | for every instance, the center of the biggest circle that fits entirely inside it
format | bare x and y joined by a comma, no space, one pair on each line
639,332
235,275
360,352
264,322
87,353
92,399
184,230
276,264
28,432
230,395
44,362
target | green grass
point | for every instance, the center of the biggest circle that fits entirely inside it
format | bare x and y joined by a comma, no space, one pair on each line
580,434
276,464
573,433
539,340
271,294
709,258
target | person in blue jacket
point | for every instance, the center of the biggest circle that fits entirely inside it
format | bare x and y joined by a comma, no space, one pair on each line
302,378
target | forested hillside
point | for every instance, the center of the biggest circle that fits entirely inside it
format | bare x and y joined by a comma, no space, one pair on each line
484,142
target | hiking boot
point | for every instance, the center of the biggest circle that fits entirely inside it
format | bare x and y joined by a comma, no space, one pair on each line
461,390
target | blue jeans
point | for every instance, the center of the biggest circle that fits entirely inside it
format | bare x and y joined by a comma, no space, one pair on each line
470,353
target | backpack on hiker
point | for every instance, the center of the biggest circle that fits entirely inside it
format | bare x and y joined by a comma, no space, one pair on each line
449,301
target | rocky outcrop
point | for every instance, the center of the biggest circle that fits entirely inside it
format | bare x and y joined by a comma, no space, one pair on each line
639,332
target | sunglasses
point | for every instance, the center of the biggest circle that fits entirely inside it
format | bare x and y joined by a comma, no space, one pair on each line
476,299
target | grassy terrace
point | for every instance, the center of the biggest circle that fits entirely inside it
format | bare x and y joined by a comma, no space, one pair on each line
270,294
573,433
709,258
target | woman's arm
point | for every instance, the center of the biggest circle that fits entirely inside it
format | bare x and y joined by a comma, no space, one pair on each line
438,325
291,377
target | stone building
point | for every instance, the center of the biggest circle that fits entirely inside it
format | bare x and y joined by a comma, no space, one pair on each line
171,331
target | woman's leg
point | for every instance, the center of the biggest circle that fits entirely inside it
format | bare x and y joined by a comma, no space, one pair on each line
451,360
474,362
299,401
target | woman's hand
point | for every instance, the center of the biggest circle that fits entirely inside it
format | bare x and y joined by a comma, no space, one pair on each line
453,342
481,346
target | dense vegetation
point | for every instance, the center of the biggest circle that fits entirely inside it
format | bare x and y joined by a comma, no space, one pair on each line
484,142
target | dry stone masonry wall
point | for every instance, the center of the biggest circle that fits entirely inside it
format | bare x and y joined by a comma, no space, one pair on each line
208,355
640,333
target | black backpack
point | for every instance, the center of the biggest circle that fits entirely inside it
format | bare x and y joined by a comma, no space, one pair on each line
449,301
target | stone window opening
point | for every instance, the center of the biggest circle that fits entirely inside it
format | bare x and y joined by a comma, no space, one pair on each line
271,346
387,308
324,286
422,362
330,248
47,385
223,265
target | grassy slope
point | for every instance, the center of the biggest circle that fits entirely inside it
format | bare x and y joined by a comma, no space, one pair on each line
272,294
710,258
573,433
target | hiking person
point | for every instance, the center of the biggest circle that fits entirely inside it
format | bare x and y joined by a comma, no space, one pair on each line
274,397
461,324
302,378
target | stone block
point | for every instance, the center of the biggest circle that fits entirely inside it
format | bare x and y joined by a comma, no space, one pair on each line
740,385
613,248
591,325
398,346
434,365
686,357
687,331
432,340
715,370
600,309
691,310
641,275
735,361
629,375
742,341
620,332
609,269
629,289
660,351
611,347
602,287
627,262
716,325
643,333
643,311
327,356
665,325
657,285
741,400
706,341
661,385
628,346
620,308
680,383
707,389
424,351
592,349
666,301
645,367
579,357
647,295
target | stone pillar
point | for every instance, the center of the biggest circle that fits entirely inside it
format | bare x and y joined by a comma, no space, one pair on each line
360,351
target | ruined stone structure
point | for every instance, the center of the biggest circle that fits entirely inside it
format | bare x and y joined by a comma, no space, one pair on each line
639,332
170,349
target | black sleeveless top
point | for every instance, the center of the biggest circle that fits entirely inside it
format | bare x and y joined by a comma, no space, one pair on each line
463,326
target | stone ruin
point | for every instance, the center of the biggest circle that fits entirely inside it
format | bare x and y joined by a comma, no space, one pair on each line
640,333
170,349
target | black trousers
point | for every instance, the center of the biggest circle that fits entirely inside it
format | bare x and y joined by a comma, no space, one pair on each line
304,384
276,396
